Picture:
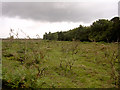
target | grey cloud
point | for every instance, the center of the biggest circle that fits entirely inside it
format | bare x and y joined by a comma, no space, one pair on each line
119,9
59,11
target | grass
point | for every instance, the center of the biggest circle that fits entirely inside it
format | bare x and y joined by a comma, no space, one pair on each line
57,64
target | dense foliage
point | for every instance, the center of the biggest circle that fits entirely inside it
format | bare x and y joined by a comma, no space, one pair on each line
101,30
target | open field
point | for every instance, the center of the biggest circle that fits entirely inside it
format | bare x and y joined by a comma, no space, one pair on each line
58,64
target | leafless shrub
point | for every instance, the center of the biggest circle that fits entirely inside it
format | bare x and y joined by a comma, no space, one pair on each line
113,62
40,71
68,53
33,58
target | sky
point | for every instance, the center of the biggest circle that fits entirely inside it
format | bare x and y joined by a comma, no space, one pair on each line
35,18
119,9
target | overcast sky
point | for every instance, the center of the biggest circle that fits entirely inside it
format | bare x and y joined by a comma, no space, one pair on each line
40,17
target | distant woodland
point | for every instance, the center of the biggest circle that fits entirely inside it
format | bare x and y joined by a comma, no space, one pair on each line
100,30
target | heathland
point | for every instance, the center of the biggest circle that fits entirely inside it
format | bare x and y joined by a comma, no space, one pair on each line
59,64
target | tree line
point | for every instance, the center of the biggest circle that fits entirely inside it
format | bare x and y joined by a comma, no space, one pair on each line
100,30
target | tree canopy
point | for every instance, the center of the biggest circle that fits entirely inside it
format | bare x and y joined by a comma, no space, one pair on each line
100,30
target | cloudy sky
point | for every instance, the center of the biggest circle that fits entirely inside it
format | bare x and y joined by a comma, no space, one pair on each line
39,17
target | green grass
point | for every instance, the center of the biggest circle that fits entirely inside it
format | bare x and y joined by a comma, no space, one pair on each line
54,64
